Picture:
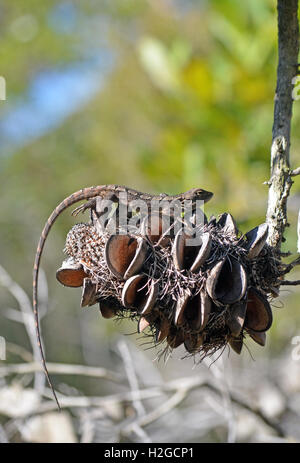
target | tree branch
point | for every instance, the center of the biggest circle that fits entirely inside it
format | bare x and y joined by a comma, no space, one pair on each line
290,283
60,369
179,388
280,182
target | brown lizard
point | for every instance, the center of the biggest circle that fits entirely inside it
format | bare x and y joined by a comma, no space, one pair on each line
105,192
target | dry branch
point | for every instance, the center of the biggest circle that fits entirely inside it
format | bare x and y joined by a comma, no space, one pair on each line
60,369
179,388
280,182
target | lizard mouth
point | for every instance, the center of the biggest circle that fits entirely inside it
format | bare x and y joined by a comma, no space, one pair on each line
205,195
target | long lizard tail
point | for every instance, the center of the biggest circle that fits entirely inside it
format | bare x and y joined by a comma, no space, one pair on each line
85,193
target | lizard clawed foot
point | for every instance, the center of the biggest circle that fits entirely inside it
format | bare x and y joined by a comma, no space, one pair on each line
88,205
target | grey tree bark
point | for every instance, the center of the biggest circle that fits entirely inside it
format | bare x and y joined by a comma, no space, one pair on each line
281,174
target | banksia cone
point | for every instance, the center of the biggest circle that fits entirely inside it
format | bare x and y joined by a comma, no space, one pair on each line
203,296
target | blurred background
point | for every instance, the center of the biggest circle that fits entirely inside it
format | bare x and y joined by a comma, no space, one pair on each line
162,96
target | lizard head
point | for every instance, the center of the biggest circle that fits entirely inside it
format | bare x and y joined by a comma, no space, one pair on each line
198,193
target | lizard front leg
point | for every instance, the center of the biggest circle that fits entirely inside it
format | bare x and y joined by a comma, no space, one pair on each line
98,203
91,204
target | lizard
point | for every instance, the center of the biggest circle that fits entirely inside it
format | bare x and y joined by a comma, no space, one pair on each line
90,194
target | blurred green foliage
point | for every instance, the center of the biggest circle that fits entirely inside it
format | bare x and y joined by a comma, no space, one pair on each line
189,102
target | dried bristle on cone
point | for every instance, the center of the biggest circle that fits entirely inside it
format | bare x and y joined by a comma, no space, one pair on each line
203,297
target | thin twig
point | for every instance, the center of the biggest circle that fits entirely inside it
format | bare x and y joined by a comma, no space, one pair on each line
290,283
224,390
158,412
26,309
3,435
295,172
60,369
131,376
134,386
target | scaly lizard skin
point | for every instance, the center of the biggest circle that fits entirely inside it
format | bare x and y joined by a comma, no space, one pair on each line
111,192
105,192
